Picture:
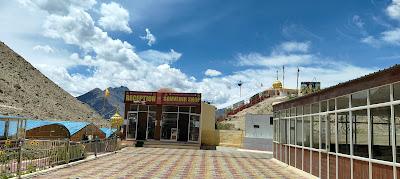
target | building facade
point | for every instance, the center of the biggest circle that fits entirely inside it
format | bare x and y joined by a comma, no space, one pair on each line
351,130
166,116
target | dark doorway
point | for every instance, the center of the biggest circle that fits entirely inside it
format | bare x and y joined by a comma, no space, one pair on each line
183,123
142,126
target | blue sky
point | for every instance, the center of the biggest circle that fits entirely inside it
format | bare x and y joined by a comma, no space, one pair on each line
201,46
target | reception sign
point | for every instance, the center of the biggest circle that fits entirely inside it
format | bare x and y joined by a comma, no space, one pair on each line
140,97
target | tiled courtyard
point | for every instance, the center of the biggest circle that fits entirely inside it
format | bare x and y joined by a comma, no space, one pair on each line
178,163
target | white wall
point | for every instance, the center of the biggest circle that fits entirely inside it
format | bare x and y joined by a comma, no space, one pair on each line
265,130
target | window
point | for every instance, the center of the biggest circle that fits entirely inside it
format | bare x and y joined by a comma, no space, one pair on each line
359,99
195,110
170,108
360,133
133,107
396,91
256,126
184,109
306,131
379,94
397,128
315,108
143,108
343,132
307,109
299,131
332,133
292,111
342,102
282,131
315,131
169,125
276,130
299,110
194,128
331,105
292,131
271,120
324,106
323,131
381,139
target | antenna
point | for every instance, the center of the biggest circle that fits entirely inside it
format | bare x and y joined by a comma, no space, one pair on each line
240,83
298,74
283,76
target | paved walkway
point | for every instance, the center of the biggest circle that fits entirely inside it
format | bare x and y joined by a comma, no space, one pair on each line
178,163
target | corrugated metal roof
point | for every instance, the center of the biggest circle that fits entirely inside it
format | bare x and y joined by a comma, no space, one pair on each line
108,131
72,126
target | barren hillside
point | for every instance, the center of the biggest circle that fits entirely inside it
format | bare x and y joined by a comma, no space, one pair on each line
24,91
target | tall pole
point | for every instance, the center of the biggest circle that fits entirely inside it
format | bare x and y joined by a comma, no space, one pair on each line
283,76
298,73
240,87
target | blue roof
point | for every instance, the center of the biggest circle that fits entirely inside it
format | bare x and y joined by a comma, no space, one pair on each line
12,129
72,126
108,131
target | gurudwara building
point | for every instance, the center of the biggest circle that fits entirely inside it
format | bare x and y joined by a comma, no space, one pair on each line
351,130
167,116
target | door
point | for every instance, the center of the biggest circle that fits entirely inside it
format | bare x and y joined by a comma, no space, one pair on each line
183,124
151,125
132,122
142,126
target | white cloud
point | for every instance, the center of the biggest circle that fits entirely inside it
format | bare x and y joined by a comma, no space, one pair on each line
393,10
158,58
294,46
114,17
212,73
115,62
358,21
370,40
44,48
151,39
392,36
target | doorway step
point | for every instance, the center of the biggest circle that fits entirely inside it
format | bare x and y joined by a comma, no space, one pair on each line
171,145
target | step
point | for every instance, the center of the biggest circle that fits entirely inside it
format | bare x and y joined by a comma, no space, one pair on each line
173,145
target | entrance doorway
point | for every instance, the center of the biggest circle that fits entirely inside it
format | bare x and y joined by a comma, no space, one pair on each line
183,124
142,126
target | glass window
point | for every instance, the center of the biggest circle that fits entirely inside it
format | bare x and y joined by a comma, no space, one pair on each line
194,128
292,111
299,110
276,130
315,108
332,133
292,131
169,126
133,107
324,106
343,132
282,131
307,109
153,108
359,99
396,92
331,105
195,110
170,108
360,133
381,140
323,131
342,102
184,109
287,113
315,131
306,131
299,131
143,108
151,125
397,128
379,94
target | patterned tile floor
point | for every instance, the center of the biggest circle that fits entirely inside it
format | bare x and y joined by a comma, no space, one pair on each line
178,163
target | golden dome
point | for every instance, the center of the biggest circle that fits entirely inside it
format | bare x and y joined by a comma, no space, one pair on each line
277,84
116,120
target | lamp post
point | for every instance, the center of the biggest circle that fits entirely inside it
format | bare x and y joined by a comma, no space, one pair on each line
240,83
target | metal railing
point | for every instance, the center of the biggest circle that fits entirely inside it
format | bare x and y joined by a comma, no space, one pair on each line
28,156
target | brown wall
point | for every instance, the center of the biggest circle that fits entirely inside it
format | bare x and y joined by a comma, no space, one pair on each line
332,166
292,156
324,165
360,169
306,161
315,163
53,131
88,130
344,168
299,155
381,171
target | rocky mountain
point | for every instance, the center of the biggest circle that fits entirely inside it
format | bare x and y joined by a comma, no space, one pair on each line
25,91
105,106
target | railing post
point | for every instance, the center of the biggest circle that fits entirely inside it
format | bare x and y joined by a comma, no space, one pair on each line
19,158
67,154
95,147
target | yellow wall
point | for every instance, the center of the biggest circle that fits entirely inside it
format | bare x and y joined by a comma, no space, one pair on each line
209,136
231,138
